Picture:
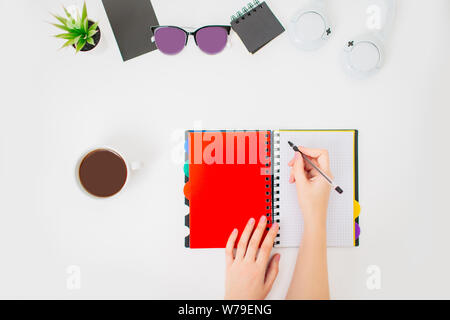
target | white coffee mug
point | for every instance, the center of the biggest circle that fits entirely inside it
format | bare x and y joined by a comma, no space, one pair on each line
131,166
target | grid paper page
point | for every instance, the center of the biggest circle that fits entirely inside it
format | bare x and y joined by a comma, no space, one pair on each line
340,224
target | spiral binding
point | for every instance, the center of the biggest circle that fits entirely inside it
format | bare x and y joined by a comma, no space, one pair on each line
268,178
251,7
276,181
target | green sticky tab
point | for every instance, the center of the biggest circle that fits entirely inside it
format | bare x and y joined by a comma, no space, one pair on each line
186,169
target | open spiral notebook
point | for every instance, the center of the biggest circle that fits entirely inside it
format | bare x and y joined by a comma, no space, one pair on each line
232,176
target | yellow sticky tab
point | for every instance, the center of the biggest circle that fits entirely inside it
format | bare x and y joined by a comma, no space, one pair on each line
356,209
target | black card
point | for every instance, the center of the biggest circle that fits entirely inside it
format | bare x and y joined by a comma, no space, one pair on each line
131,21
256,25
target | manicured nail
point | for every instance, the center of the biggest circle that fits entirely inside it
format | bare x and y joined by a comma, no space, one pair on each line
235,231
262,219
275,225
251,221
277,257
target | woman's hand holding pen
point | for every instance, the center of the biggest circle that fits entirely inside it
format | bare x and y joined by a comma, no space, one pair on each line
313,190
310,277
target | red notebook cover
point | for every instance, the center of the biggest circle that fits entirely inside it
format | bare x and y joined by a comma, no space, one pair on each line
228,181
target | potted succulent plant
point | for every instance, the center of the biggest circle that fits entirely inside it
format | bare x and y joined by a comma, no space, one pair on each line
81,33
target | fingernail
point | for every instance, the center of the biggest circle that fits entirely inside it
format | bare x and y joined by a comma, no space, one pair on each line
251,221
262,219
277,257
297,155
275,225
235,231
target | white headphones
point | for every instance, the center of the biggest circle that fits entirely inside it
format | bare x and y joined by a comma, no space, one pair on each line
364,55
309,28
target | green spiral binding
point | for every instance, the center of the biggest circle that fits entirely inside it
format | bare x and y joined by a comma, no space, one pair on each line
250,6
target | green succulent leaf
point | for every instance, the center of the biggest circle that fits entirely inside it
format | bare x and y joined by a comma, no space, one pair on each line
93,27
80,45
78,24
67,43
85,25
66,36
84,13
71,19
61,19
71,42
92,33
90,41
78,32
60,26
70,25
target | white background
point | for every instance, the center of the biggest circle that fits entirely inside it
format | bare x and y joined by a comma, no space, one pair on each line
55,105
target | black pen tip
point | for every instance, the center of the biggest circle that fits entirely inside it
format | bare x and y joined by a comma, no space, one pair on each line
339,190
291,144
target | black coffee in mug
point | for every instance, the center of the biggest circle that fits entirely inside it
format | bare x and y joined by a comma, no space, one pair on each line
103,173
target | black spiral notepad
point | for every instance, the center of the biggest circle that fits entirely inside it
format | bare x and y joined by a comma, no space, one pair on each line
256,25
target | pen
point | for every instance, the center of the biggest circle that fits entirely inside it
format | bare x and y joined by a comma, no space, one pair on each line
337,188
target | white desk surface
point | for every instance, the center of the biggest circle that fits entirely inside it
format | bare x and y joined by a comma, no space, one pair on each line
55,105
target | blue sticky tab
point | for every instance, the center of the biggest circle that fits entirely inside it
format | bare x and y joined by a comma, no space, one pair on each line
186,147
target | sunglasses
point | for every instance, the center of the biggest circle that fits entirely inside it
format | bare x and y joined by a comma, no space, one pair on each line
172,40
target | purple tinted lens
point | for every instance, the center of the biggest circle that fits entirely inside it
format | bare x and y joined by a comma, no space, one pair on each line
170,40
212,40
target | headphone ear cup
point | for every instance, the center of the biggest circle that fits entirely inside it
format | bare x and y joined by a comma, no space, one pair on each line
363,56
309,29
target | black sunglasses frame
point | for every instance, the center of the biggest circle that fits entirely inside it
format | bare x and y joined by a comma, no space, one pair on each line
226,27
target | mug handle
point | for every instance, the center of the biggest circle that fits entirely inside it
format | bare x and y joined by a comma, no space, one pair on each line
136,165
